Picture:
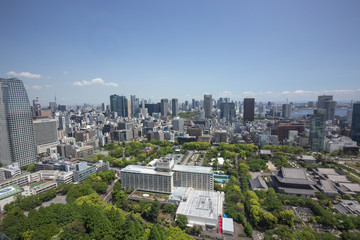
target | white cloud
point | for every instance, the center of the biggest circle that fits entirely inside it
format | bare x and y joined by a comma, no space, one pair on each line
65,72
302,92
35,87
99,81
24,74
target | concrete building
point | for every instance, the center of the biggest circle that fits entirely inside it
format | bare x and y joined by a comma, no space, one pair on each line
317,130
165,176
39,187
196,177
83,151
249,109
22,180
202,208
17,140
82,171
178,124
286,111
355,123
7,195
46,137
10,171
220,136
119,104
146,178
327,103
208,105
175,107
227,111
164,107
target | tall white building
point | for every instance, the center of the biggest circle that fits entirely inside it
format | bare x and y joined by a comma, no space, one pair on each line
17,140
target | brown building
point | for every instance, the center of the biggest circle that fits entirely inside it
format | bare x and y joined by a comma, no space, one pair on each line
282,129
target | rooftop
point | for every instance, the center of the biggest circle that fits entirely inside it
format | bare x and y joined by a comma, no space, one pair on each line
9,191
298,173
144,170
228,224
327,171
193,169
202,204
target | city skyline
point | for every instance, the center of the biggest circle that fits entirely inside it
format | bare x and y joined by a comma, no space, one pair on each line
269,51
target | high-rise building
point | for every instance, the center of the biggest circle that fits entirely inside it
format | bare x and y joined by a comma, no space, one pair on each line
227,111
175,107
208,105
326,102
45,135
119,104
17,139
133,104
286,111
317,130
355,123
249,109
164,107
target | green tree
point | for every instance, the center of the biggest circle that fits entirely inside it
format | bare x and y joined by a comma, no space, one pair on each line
287,217
248,230
181,221
304,235
176,233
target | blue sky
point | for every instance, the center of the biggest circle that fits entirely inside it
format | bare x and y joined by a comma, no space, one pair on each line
84,51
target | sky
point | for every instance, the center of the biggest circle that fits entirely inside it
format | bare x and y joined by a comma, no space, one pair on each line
84,51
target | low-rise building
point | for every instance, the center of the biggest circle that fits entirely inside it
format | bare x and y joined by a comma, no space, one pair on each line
22,180
294,182
7,194
202,208
39,187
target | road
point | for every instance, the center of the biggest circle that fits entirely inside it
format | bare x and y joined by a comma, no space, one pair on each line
184,161
106,196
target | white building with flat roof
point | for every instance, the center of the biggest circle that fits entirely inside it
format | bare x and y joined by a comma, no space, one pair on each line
146,178
202,208
165,176
199,178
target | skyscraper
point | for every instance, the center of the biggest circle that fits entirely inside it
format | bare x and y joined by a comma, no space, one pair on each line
17,139
249,109
175,107
164,107
208,105
119,104
326,102
286,111
227,111
133,104
317,130
355,123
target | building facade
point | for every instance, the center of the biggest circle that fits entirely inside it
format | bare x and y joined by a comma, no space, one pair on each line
249,109
227,111
45,134
317,130
17,139
355,123
164,107
286,111
175,107
208,105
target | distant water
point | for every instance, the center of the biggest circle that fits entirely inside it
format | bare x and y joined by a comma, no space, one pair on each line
301,112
